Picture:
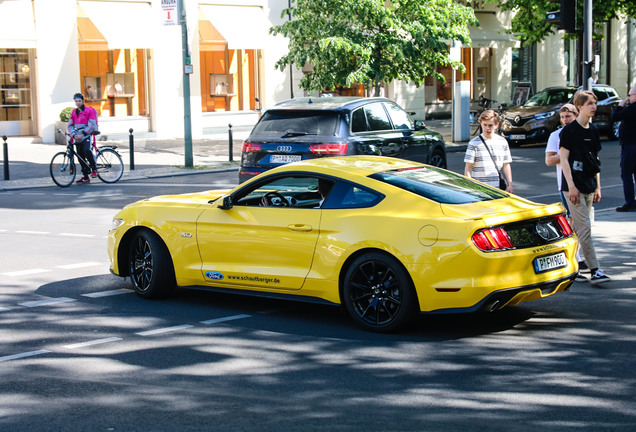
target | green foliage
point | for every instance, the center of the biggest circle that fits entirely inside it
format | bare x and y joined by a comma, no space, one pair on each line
529,23
372,41
65,114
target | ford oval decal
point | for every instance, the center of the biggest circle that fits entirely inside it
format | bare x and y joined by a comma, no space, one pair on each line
214,275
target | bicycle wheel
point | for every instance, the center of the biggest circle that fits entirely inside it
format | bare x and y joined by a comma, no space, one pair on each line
110,167
62,169
475,129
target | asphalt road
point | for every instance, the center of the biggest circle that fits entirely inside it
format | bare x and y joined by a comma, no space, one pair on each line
79,351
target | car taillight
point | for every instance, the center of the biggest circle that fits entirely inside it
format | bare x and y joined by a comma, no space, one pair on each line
566,229
330,149
492,239
251,147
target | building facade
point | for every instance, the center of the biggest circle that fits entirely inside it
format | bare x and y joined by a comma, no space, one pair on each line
126,56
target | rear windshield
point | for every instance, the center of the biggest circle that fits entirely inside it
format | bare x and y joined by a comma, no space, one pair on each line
297,123
439,185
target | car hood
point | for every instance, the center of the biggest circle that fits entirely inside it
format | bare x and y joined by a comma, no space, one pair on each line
525,111
191,198
500,211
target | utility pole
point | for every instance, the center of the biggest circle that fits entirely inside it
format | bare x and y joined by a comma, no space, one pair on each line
588,52
187,70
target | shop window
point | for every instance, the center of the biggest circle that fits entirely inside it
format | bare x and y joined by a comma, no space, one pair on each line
444,88
15,87
113,80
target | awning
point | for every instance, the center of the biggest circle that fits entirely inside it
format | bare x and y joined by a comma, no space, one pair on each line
123,24
243,27
490,32
17,29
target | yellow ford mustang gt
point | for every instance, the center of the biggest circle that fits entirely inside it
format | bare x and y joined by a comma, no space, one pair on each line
386,238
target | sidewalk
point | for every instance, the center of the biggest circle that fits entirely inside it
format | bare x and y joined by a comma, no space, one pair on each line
29,160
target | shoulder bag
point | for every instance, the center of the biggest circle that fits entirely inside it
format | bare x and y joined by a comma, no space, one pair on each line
503,184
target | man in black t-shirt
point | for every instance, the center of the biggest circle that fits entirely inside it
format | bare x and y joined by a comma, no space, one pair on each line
579,147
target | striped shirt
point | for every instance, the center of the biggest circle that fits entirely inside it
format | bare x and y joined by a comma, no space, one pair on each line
484,169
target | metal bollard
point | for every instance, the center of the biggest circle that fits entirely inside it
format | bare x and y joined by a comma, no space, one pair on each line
230,142
5,157
131,144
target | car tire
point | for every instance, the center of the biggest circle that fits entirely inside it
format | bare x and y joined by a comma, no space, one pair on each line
613,131
150,266
438,159
378,293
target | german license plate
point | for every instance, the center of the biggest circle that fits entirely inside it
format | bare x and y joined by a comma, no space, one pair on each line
517,137
550,262
283,159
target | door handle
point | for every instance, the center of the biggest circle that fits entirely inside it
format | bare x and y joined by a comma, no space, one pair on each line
299,227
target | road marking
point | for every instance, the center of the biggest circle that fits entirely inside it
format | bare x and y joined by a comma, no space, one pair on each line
77,235
224,319
23,355
47,302
33,232
108,293
26,272
164,330
93,342
79,265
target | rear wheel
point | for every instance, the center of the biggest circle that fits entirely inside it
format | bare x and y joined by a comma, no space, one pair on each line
62,169
150,266
110,167
378,293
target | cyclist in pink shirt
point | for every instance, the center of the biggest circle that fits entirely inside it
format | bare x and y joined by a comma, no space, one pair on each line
81,125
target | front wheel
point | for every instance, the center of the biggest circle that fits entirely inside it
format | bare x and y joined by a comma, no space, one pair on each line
150,266
110,167
438,159
378,293
62,169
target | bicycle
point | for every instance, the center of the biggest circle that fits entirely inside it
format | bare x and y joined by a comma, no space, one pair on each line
110,166
484,104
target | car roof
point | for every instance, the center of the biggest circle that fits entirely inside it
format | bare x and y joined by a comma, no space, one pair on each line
346,166
326,103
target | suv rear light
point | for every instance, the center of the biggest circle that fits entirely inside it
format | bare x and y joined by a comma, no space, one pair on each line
492,239
251,147
330,149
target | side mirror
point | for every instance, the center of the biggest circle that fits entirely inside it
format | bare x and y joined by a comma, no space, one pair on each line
419,125
226,203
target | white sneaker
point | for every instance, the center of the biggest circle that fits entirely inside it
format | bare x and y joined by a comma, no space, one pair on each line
599,277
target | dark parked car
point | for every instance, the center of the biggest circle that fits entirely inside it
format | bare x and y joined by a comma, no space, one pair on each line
535,120
308,128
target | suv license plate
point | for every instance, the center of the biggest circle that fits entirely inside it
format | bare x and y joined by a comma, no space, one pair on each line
282,159
517,137
550,262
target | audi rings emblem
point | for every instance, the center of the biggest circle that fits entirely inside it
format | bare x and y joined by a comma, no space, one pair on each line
284,149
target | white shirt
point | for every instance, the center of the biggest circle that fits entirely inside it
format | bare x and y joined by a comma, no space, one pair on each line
553,146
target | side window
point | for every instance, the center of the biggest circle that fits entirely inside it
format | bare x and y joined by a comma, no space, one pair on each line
377,118
300,191
358,121
399,117
349,195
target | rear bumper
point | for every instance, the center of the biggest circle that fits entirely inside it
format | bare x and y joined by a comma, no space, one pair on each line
513,296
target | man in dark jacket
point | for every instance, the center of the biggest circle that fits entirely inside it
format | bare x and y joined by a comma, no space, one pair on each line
626,113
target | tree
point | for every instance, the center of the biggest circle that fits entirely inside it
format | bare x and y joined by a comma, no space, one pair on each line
529,23
372,41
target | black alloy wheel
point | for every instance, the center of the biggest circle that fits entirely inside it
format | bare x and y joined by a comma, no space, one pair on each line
150,266
378,293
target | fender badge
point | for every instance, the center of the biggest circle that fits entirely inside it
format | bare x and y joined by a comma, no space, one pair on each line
214,275
186,234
